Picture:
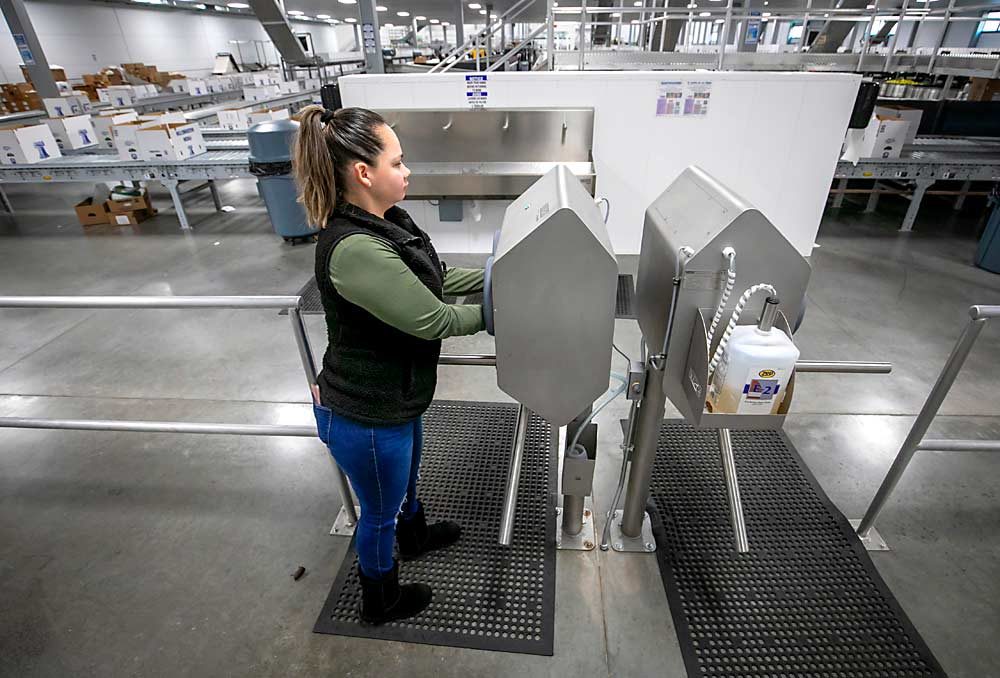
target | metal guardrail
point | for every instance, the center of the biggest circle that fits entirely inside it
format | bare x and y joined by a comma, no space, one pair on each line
979,316
349,515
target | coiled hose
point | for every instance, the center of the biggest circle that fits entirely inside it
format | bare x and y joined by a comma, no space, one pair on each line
730,254
744,299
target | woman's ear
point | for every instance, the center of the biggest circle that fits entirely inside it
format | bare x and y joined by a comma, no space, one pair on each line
362,172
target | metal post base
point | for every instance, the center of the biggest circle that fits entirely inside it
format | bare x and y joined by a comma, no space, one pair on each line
586,540
343,526
873,541
644,543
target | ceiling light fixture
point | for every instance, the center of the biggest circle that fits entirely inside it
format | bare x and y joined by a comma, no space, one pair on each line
322,16
402,14
351,20
237,5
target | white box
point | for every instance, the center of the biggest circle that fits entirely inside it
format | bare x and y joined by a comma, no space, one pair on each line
270,114
64,87
263,79
263,93
174,141
910,115
63,107
154,119
145,91
884,137
179,86
311,83
103,95
197,88
289,87
235,118
121,96
126,138
27,144
73,132
104,121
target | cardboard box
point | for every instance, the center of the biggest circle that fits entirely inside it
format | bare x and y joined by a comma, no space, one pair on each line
884,137
121,96
27,144
64,87
73,132
90,214
66,106
263,93
235,118
104,96
130,218
269,114
57,73
910,115
263,79
104,121
311,83
172,141
984,89
178,85
197,88
289,87
153,119
141,202
126,140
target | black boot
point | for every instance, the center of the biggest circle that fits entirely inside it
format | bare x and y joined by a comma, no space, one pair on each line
384,600
415,537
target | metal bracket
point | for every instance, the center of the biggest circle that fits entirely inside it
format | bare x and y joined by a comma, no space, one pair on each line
585,540
343,527
873,541
644,543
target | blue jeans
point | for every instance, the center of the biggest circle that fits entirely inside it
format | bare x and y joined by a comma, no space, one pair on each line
382,463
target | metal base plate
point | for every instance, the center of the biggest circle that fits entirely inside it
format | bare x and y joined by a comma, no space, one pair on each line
486,596
341,526
873,541
644,543
584,541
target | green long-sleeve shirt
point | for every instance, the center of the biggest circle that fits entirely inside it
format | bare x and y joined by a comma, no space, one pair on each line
368,272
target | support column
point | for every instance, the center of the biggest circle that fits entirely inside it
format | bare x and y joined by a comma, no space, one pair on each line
29,47
459,23
371,41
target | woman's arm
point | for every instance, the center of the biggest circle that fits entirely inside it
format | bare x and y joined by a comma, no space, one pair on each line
368,272
459,282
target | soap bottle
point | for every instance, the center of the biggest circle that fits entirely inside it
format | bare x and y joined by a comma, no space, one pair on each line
755,368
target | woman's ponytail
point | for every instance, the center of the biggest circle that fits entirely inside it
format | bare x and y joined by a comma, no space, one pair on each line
312,164
327,143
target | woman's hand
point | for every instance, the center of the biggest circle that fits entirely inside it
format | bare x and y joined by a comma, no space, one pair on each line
315,391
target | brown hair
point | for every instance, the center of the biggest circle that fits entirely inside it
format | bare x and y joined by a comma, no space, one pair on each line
325,146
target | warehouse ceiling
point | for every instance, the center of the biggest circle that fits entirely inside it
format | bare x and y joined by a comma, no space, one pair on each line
445,10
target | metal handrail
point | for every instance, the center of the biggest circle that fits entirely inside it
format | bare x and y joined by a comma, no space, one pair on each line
292,303
517,48
979,316
456,54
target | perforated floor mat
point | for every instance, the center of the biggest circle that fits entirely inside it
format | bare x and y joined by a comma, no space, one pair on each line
311,304
486,596
806,600
625,301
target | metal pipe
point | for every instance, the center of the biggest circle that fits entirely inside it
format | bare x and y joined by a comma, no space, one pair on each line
150,302
981,312
456,359
926,416
572,514
895,35
550,38
805,26
583,32
647,434
960,445
158,427
733,491
940,40
513,476
867,37
842,367
724,37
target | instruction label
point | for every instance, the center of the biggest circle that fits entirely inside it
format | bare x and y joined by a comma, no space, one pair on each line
22,47
683,97
476,90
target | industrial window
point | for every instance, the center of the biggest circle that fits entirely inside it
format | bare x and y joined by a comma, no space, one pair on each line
991,23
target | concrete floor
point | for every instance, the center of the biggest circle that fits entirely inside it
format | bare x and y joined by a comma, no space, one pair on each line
170,555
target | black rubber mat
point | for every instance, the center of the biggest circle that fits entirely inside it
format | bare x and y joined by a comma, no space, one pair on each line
486,596
805,601
311,304
625,302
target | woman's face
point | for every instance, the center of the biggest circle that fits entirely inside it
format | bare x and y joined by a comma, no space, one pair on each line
389,176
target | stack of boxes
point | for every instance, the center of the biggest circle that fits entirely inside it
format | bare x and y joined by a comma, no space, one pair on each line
19,98
101,209
163,137
27,144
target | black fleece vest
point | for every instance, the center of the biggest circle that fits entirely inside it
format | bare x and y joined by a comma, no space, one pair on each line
372,372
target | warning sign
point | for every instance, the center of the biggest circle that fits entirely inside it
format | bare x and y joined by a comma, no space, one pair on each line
476,93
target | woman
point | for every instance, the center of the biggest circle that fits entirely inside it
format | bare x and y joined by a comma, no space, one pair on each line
381,284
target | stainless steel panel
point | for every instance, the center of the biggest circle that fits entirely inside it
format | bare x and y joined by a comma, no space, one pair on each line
697,211
524,135
486,180
555,279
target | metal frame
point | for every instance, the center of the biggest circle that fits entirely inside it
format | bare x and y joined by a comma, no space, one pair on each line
348,517
979,316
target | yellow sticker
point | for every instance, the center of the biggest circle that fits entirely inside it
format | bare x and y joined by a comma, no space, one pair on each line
766,374
866,174
46,178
